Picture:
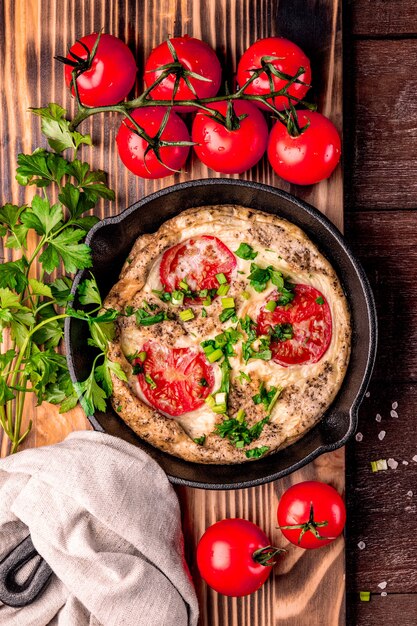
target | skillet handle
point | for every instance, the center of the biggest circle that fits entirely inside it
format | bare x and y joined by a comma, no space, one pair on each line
11,592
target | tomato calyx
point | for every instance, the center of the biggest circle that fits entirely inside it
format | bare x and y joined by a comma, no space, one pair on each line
310,526
180,72
267,556
79,64
156,143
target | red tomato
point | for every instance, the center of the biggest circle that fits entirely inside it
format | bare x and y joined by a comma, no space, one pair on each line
132,147
311,320
112,73
230,151
174,380
234,557
195,56
308,158
289,59
196,261
311,514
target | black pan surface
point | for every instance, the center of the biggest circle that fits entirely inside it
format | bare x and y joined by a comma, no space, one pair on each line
111,241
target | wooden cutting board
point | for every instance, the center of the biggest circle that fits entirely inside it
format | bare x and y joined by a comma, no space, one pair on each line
306,588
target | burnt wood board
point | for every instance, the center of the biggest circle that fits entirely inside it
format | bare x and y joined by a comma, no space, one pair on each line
306,588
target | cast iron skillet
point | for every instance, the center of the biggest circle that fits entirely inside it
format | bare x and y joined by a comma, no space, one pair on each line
111,241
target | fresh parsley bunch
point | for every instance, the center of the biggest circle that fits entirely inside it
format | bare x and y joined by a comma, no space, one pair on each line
47,235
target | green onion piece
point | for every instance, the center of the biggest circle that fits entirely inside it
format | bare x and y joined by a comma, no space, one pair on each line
223,289
243,375
203,382
274,400
219,408
379,465
187,315
177,297
203,313
365,596
210,401
271,305
208,349
227,314
207,301
228,303
320,300
239,444
150,381
203,293
221,279
220,398
215,355
183,285
142,356
245,295
240,416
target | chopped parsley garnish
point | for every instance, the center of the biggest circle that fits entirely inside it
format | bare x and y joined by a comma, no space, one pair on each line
238,432
267,397
203,382
260,276
244,376
165,296
249,326
256,453
203,312
246,252
129,310
200,440
281,332
320,300
137,369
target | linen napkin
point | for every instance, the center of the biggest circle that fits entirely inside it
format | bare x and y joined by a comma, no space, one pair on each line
103,515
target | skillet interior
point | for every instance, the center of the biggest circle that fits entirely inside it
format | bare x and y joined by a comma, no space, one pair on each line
111,240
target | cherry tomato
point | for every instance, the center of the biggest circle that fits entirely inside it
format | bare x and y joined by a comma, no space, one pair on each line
308,158
311,326
174,380
289,59
196,57
112,73
311,514
196,261
230,151
132,147
234,557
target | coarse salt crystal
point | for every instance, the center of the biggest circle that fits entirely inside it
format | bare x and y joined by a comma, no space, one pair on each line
361,545
394,405
368,394
383,594
392,463
414,458
405,462
410,494
378,417
381,435
359,437
394,413
382,585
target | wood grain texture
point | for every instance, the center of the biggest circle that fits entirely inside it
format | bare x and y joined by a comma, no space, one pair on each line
391,610
382,506
304,589
385,243
382,17
381,134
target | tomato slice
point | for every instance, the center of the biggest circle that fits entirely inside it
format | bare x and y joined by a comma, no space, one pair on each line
174,380
311,320
196,261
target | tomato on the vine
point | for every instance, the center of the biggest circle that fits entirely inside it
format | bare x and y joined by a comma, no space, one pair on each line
139,156
235,149
276,55
311,514
195,70
108,77
234,557
310,156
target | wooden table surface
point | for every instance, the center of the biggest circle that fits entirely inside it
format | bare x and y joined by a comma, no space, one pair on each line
380,165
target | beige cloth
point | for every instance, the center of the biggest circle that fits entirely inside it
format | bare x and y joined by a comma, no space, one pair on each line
104,516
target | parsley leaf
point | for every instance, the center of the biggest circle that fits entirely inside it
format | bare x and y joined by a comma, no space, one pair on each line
281,332
65,247
246,252
56,128
13,275
256,453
